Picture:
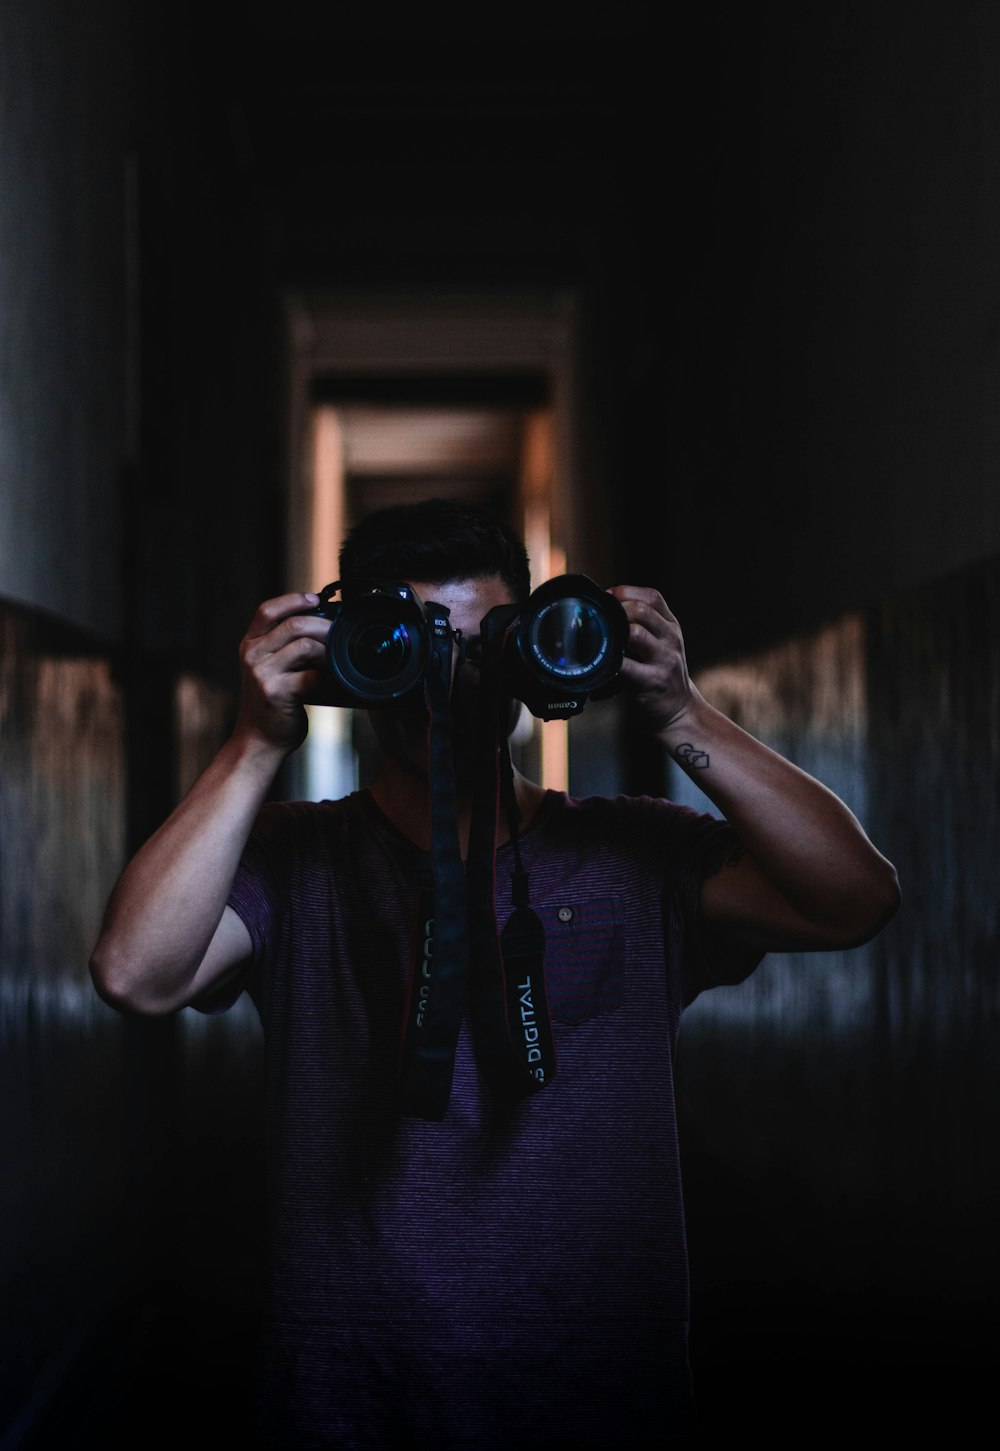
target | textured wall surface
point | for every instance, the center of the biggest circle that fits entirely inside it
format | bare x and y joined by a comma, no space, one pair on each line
935,693
61,1057
64,268
841,1109
129,1148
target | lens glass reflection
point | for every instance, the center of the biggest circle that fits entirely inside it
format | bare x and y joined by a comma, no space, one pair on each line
379,650
569,637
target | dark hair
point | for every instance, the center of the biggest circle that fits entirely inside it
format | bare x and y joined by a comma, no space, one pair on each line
438,540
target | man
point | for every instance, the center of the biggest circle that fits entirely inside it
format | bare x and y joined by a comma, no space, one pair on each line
512,1273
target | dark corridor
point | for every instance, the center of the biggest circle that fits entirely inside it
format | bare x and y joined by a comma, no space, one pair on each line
757,252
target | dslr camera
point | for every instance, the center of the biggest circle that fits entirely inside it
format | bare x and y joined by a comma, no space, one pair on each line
561,648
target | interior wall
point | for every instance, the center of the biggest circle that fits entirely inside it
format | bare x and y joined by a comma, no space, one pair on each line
136,526
64,234
826,394
840,1109
63,1121
64,168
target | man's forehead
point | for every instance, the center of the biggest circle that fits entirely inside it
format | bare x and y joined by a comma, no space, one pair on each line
466,599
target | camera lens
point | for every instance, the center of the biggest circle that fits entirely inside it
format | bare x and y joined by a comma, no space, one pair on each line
378,646
569,637
566,645
379,651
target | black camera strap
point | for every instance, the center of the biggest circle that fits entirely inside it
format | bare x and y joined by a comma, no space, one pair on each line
457,944
511,1028
437,989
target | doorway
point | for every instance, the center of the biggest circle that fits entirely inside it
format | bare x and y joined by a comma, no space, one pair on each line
403,399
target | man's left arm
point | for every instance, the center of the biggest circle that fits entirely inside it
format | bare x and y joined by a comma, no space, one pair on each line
802,873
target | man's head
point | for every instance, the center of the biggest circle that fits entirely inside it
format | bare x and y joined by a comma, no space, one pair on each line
464,557
435,539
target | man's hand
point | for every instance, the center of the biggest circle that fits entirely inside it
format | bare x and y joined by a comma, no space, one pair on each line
282,662
655,667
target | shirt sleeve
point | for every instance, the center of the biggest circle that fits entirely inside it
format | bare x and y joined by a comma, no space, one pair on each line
704,964
253,897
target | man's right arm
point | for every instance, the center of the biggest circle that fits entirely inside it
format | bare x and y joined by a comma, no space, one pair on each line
168,934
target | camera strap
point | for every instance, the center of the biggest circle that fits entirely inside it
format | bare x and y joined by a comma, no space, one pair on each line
511,1028
457,945
437,988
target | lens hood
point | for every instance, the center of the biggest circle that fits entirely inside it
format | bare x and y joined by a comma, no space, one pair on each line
565,646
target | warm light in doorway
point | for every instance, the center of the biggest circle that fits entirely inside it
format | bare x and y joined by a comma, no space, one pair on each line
327,758
547,560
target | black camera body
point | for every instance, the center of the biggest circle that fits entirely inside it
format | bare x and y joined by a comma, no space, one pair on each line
561,648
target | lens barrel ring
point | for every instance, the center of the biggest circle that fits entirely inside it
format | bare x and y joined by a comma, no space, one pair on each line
565,645
379,645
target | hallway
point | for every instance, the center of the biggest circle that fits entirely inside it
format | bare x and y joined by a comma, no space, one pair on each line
719,317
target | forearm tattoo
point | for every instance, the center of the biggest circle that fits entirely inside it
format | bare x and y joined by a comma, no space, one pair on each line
690,756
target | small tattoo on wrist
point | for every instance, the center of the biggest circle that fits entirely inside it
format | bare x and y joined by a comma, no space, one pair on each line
690,756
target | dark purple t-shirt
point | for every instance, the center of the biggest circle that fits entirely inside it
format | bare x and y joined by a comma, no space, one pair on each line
515,1275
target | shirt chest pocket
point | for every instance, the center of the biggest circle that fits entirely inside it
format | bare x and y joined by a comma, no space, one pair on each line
584,957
